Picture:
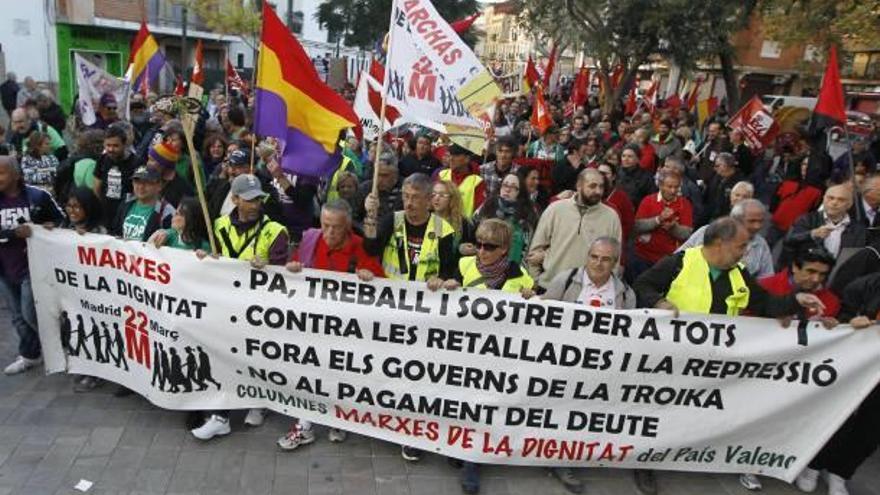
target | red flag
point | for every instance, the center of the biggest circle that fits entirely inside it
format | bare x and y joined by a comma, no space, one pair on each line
463,25
694,95
630,108
551,65
233,80
616,76
673,101
377,71
179,90
198,74
374,95
531,75
579,90
830,110
756,123
650,98
540,113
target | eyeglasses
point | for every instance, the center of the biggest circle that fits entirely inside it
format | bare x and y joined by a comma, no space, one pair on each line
486,246
111,108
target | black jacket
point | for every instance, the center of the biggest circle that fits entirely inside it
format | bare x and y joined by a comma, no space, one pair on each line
9,94
798,237
636,182
861,298
653,285
54,116
717,197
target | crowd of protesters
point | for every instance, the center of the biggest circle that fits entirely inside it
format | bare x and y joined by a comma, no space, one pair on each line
608,210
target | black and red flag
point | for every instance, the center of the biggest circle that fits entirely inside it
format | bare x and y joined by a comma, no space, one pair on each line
830,110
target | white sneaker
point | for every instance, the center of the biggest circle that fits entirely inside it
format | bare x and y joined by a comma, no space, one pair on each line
215,425
21,364
335,435
750,482
255,417
836,485
295,438
807,480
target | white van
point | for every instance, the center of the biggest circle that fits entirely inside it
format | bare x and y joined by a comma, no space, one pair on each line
775,102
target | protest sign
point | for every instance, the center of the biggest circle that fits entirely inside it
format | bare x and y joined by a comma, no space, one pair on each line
94,82
479,375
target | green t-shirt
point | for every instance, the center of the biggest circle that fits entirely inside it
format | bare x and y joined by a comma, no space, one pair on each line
135,223
84,173
173,240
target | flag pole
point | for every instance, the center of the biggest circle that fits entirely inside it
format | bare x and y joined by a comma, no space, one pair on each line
189,123
370,227
852,170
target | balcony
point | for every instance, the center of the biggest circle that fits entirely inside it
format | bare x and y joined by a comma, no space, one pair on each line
165,13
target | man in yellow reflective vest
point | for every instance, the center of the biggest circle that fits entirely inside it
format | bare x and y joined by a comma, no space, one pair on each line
246,233
414,244
710,279
462,173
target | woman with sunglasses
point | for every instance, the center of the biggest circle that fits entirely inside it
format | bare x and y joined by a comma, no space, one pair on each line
511,204
490,269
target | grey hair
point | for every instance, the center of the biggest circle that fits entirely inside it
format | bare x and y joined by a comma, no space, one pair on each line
726,158
338,206
388,158
871,182
744,184
609,241
722,229
420,182
739,210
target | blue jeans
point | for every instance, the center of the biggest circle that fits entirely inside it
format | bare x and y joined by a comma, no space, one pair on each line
20,301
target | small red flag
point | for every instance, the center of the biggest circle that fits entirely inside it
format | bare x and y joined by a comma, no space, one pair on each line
540,113
531,76
179,90
551,65
463,25
233,80
756,123
198,74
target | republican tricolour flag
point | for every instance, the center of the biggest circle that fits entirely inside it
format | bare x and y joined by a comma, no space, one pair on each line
146,60
294,105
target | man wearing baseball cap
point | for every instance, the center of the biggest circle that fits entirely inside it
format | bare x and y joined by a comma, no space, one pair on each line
219,190
246,233
163,157
138,218
107,111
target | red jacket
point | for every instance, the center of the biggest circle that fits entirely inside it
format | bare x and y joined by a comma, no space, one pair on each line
648,157
779,284
349,258
795,200
625,210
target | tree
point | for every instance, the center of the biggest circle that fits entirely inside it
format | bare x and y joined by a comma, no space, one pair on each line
822,22
630,32
363,22
230,17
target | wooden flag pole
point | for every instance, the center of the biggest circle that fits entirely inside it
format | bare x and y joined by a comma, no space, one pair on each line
371,222
189,124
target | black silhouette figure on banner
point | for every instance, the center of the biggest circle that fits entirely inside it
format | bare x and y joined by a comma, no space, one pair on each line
166,367
96,342
108,344
81,338
205,368
158,376
66,333
177,378
192,370
119,357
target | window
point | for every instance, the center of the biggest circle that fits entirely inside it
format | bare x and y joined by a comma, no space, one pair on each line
239,60
770,49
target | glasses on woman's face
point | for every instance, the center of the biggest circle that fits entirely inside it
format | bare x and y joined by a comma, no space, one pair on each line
486,246
510,187
73,206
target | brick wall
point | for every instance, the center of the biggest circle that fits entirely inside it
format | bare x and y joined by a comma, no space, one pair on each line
125,10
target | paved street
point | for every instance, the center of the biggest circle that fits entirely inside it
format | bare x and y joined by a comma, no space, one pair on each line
50,438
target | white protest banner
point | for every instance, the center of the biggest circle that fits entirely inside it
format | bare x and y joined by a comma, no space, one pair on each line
369,116
93,82
419,23
479,375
